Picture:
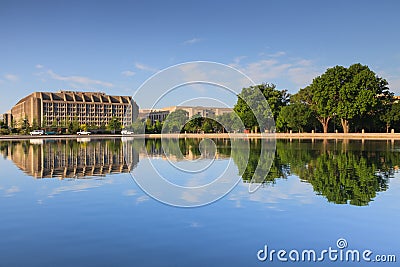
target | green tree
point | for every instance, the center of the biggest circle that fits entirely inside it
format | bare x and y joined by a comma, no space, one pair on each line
149,126
84,127
295,116
360,94
138,126
114,124
44,122
175,121
207,125
35,124
230,122
345,93
158,127
251,105
24,126
225,120
103,126
74,126
14,123
54,123
322,94
194,124
92,126
391,115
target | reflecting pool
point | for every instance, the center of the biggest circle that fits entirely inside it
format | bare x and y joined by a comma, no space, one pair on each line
66,202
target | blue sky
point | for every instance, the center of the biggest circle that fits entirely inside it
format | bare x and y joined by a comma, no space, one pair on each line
114,46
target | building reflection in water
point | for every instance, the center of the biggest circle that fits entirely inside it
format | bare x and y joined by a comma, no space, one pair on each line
86,157
69,158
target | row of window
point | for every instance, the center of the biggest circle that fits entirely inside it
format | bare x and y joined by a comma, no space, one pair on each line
77,108
81,106
82,114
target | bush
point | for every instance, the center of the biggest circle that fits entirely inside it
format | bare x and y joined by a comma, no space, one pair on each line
4,132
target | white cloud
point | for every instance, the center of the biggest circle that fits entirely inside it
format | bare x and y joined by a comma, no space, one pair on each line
277,54
142,199
194,72
79,186
289,190
298,71
141,66
128,73
302,75
39,66
266,69
130,192
195,225
11,77
78,79
13,189
192,41
236,61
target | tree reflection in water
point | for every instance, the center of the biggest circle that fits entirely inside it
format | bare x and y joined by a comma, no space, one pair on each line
344,172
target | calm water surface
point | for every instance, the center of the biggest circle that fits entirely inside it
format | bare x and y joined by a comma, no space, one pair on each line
74,203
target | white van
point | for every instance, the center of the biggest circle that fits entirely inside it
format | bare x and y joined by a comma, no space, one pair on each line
126,132
37,132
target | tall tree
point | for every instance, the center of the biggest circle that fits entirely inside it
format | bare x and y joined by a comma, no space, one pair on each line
345,93
252,108
230,122
322,94
114,124
138,126
360,94
74,125
175,121
35,124
194,124
392,115
295,116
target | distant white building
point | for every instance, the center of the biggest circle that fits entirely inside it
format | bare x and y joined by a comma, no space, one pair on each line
153,114
162,113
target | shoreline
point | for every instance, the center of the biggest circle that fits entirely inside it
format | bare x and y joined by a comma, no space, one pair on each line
322,136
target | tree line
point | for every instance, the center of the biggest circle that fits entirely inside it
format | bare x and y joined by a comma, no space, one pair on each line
341,99
70,126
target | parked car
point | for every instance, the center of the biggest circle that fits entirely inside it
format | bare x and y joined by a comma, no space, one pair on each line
37,132
50,133
83,133
126,132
